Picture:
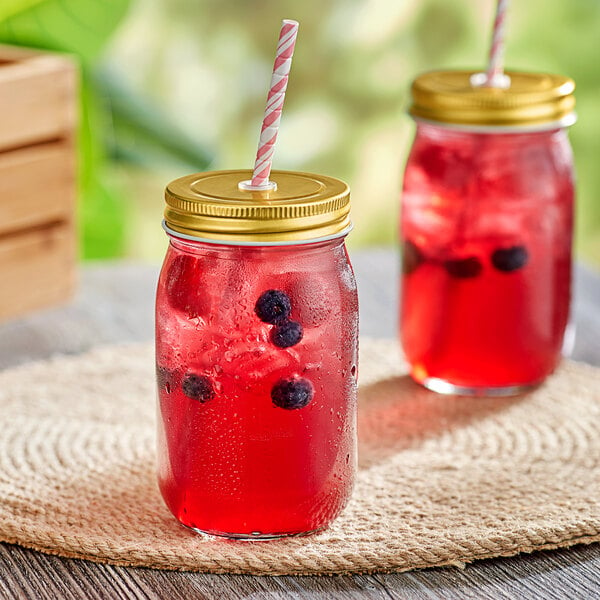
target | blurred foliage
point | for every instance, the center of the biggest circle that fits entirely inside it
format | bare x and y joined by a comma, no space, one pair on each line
208,64
140,135
179,76
11,7
82,28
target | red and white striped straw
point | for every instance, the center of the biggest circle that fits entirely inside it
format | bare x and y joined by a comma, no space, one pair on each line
495,69
275,98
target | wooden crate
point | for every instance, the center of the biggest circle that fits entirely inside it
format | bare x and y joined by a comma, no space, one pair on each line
38,247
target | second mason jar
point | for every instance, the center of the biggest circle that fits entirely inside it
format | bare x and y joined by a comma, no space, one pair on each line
486,227
256,355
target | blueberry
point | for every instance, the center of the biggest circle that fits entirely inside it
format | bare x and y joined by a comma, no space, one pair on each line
287,334
510,259
463,268
273,307
292,393
412,257
198,387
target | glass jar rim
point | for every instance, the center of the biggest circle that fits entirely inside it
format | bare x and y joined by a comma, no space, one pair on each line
563,123
231,242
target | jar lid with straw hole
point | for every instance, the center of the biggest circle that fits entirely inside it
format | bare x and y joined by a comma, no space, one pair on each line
527,101
300,207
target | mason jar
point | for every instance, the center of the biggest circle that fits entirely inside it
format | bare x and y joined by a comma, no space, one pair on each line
256,355
486,231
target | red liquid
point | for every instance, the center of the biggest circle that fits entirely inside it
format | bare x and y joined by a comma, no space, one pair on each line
237,464
464,319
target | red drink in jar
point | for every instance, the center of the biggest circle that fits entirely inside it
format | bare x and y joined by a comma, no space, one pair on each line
256,349
486,228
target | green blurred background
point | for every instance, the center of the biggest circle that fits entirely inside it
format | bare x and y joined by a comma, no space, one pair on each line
171,87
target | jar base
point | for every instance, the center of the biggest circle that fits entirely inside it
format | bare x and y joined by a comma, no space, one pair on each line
442,386
255,536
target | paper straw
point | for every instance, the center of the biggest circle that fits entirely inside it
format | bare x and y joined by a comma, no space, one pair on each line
270,125
495,70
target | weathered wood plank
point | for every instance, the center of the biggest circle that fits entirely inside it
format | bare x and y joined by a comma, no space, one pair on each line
572,574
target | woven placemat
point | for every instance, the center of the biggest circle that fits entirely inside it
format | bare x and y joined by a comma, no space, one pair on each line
442,480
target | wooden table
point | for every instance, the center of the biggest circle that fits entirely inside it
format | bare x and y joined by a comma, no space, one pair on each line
114,304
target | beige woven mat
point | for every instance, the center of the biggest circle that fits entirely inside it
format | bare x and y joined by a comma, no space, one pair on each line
443,480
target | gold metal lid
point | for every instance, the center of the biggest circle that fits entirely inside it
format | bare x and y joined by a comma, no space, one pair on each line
531,100
303,207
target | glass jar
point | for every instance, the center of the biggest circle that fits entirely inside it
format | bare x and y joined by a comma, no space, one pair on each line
486,231
256,355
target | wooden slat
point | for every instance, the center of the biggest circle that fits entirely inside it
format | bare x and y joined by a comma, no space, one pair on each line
37,185
38,97
37,268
